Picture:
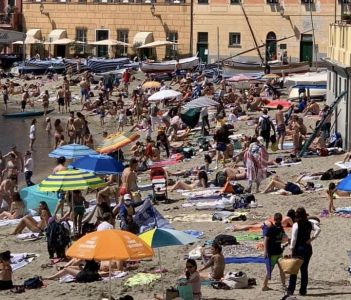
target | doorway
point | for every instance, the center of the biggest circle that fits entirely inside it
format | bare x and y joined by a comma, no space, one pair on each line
271,46
101,34
60,51
202,46
306,48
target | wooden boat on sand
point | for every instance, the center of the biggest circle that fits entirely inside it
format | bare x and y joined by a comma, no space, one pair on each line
169,66
27,114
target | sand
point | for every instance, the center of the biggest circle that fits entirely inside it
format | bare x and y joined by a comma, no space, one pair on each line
329,278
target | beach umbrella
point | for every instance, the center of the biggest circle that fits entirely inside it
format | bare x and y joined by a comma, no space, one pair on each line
163,237
117,141
31,197
108,245
164,94
240,77
72,151
152,85
98,164
345,184
200,103
70,180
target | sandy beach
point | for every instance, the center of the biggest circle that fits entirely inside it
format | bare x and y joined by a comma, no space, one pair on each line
328,276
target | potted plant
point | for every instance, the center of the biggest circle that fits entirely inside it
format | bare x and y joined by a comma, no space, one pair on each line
346,18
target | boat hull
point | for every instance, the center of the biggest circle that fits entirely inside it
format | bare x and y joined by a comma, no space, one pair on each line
234,67
314,91
26,114
169,66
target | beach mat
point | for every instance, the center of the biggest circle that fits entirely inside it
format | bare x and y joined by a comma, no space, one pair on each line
345,165
244,260
141,279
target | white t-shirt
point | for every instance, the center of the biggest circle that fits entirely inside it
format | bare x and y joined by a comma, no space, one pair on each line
104,226
32,132
28,165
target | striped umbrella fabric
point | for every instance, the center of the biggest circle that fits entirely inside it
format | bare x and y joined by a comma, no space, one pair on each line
72,151
117,141
70,180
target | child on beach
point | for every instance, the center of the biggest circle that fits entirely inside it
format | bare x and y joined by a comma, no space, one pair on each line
48,126
5,94
46,101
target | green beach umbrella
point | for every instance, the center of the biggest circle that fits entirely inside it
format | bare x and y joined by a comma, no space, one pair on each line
70,180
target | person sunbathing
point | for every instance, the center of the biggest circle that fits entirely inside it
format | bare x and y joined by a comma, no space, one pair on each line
235,173
29,222
294,188
16,209
287,222
201,182
180,137
332,192
312,109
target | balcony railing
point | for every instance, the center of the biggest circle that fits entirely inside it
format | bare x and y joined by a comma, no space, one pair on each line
12,20
175,2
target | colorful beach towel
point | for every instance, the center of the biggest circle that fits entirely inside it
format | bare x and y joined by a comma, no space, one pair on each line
141,279
19,260
245,260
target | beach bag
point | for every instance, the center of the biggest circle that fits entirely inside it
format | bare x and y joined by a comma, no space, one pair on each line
33,283
225,240
185,292
188,152
238,188
290,265
221,179
58,238
237,280
171,293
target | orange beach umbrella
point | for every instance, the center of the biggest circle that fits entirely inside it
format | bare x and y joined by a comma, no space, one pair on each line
117,141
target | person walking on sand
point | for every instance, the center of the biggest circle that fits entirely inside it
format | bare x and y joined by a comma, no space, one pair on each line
24,101
32,134
264,127
273,239
281,130
300,245
48,126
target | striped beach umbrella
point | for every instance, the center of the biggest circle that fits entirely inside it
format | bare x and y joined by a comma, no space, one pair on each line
70,180
72,151
117,141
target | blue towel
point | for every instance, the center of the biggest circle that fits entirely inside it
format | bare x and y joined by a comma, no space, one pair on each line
195,233
244,260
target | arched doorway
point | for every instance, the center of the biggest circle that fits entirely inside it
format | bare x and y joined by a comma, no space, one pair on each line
271,46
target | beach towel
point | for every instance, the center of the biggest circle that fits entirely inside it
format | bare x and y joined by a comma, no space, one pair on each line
28,236
163,163
141,279
245,260
282,165
248,236
19,260
195,233
114,275
191,218
15,221
345,165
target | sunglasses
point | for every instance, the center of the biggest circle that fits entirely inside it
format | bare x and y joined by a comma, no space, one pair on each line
189,267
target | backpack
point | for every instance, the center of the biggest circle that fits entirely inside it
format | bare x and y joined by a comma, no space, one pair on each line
58,238
266,124
33,283
238,188
221,179
243,201
225,240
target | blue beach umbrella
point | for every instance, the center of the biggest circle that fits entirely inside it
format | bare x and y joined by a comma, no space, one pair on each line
98,164
31,197
72,151
345,184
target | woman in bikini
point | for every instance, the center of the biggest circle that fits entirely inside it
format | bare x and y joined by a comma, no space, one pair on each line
58,132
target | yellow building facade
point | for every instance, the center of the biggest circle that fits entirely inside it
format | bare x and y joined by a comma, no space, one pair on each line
93,20
339,77
220,27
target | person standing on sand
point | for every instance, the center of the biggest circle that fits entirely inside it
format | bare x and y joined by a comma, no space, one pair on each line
78,126
25,99
60,96
28,168
281,130
19,161
46,102
58,132
129,179
32,134
5,94
83,90
7,190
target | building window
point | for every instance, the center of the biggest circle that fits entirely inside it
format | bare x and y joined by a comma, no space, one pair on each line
81,36
306,1
282,47
272,1
122,35
234,39
202,1
171,50
202,37
233,2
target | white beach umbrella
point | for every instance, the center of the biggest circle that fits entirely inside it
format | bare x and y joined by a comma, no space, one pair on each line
165,94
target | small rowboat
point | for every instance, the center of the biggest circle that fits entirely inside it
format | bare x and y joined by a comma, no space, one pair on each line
27,114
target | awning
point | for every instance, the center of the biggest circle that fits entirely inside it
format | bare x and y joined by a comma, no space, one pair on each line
64,41
10,36
157,44
109,42
143,38
57,34
28,41
34,33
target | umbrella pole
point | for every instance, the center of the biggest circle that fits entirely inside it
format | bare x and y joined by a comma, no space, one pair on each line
109,282
159,262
